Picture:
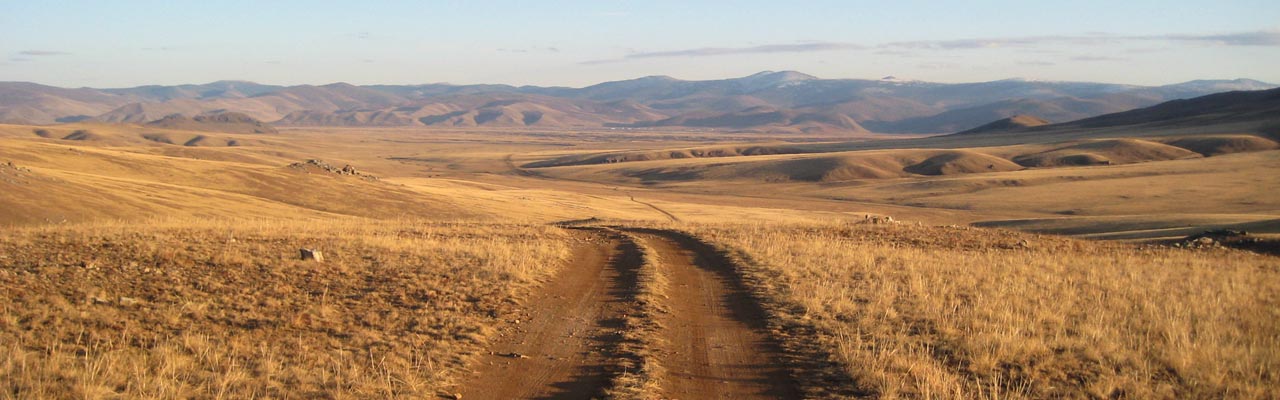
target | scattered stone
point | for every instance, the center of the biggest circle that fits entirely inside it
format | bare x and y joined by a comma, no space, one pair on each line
1212,238
311,255
453,396
346,170
128,301
1218,234
100,300
878,219
10,166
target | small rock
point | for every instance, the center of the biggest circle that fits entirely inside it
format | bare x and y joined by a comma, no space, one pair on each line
128,301
311,255
876,220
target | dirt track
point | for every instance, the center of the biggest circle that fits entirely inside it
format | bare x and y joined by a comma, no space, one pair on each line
717,346
668,214
713,340
560,347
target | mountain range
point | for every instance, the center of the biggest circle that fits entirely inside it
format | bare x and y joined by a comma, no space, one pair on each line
785,101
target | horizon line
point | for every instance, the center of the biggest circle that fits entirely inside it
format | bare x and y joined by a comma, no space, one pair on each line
885,78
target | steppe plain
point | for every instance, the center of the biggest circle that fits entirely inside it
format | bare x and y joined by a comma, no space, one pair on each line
149,262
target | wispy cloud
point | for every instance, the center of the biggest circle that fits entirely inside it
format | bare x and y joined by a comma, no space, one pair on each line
988,43
938,65
547,49
41,53
722,51
1097,58
1034,44
1255,38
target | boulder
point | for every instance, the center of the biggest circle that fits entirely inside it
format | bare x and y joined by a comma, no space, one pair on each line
311,255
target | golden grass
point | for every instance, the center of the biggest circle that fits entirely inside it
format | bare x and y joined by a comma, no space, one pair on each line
224,309
921,312
177,308
641,376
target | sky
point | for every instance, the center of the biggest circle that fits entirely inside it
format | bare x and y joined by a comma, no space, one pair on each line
577,43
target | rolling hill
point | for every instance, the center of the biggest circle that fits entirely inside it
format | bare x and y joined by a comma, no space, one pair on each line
1012,123
781,102
1207,126
229,122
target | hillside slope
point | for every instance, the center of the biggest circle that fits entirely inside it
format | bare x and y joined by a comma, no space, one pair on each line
763,102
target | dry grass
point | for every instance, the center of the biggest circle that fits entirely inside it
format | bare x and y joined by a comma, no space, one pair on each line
221,309
920,312
641,376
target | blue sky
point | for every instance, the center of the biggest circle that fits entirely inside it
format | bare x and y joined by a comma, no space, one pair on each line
576,43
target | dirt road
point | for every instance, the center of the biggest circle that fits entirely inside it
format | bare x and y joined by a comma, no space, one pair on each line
713,343
560,348
669,215
716,342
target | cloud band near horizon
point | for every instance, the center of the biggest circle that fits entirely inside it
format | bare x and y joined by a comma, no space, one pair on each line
1255,38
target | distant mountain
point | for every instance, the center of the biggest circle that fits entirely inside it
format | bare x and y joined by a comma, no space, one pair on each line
22,102
785,101
1257,110
1054,109
763,118
1236,106
1016,122
219,89
230,122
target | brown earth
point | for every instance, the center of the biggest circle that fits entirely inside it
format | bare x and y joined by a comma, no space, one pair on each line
716,345
713,341
560,346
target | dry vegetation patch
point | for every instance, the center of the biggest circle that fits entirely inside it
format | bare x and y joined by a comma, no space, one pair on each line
208,309
642,370
971,313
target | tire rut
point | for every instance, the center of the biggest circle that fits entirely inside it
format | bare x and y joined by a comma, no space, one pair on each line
715,333
666,213
562,345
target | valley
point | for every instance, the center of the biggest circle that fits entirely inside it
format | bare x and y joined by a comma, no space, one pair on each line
657,200
1024,259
